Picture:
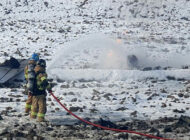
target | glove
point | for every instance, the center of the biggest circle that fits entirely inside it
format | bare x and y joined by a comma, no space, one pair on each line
49,90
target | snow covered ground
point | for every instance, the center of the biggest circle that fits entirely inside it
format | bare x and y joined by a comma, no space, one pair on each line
86,44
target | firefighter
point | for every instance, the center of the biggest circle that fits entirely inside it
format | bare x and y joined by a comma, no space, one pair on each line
39,95
30,76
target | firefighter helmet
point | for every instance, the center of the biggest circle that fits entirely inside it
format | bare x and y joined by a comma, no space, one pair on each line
34,57
42,63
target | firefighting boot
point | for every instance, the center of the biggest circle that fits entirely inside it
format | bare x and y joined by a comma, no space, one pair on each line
41,119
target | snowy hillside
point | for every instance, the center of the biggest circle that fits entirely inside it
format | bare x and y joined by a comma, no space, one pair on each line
160,26
86,44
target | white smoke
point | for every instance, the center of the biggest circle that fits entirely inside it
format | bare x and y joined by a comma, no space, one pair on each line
174,60
95,51
113,56
100,52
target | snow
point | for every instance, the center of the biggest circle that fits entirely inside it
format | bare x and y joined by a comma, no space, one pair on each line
118,75
97,57
86,48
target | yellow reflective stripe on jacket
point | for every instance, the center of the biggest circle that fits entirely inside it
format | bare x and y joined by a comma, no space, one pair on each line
41,115
26,76
28,106
43,78
39,82
26,72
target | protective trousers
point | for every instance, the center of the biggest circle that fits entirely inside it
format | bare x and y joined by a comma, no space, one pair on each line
28,104
38,107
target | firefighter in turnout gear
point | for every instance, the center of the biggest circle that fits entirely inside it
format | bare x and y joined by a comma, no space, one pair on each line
39,95
30,76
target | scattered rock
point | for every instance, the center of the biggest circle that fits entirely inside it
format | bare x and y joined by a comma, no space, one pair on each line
185,18
134,114
49,129
57,109
3,131
153,130
171,96
123,100
49,99
154,81
18,100
46,4
96,98
157,68
93,110
151,96
65,86
75,109
9,108
121,109
170,78
167,129
163,91
11,100
83,3
123,136
106,123
183,121
53,134
179,111
147,69
133,99
180,95
17,133
186,95
107,96
19,115
6,54
137,138
1,117
163,105
74,100
71,93
181,79
95,92
4,112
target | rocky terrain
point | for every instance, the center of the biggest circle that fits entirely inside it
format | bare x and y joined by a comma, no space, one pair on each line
165,127
61,125
152,105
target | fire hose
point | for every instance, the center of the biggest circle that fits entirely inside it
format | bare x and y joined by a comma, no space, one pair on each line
103,127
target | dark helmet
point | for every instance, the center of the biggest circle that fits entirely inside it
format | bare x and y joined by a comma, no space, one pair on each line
42,63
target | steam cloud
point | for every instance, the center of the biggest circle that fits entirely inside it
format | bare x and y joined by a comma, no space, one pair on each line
100,52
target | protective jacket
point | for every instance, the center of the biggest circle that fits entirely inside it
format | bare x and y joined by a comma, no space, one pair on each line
39,94
29,74
41,81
